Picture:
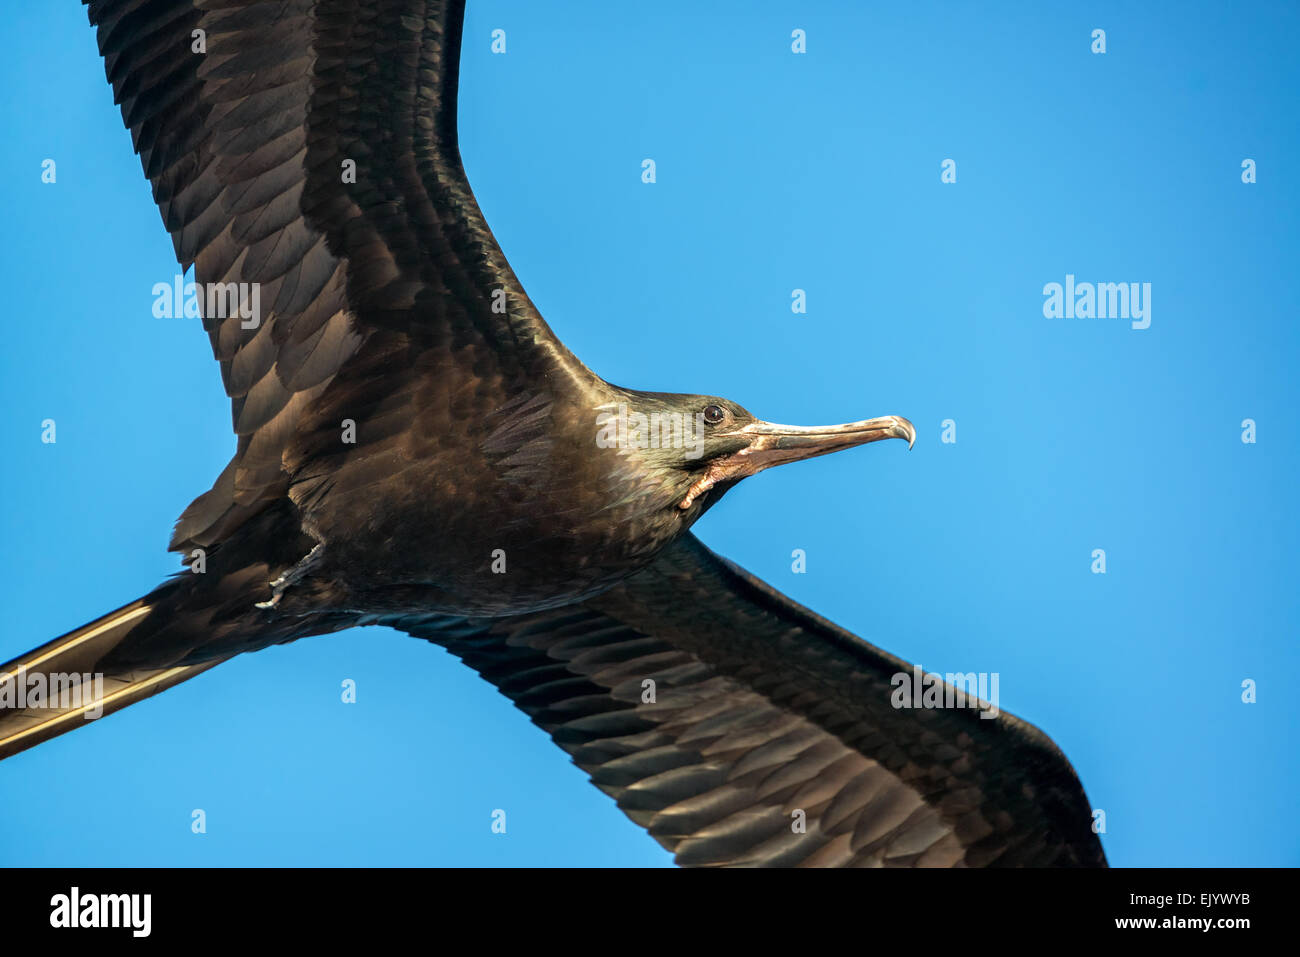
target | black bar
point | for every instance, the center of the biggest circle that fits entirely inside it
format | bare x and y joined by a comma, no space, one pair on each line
965,908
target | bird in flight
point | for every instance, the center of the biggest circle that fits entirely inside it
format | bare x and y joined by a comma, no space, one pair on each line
417,449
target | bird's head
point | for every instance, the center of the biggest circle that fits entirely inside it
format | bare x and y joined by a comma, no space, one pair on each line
696,447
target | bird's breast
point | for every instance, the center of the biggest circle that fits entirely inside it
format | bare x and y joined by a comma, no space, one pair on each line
482,547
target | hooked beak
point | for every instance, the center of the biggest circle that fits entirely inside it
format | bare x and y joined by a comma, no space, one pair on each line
772,444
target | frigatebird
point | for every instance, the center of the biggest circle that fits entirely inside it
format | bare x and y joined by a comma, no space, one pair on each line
417,449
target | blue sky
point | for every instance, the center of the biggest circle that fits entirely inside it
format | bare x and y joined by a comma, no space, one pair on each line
775,172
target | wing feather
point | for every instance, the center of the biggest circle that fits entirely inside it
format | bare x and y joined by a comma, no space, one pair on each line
741,729
244,113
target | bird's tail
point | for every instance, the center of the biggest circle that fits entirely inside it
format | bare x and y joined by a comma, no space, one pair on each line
70,681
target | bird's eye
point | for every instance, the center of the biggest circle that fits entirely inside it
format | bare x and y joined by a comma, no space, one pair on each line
713,414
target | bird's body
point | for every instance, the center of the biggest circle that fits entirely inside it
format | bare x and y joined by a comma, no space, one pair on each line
522,487
416,448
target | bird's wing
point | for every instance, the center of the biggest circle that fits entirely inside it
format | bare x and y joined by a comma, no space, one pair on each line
739,728
309,147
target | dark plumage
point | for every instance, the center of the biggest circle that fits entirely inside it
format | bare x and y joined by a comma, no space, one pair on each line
407,421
